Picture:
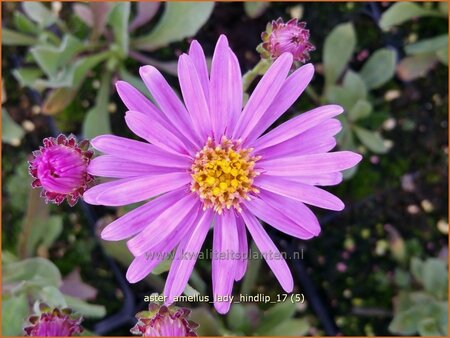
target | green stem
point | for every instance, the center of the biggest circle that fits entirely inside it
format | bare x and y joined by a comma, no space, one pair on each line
260,68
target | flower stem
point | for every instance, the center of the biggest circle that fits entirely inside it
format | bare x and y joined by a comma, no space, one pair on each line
260,68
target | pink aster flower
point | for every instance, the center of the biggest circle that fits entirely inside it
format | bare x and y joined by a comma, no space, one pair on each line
208,162
163,321
291,37
60,169
53,323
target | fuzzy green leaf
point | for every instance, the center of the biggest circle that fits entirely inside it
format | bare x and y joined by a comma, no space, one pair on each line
405,323
349,93
379,69
39,13
50,58
427,45
84,308
12,133
276,315
371,139
428,327
118,20
13,38
360,110
25,25
38,270
180,20
401,12
27,76
435,277
338,50
14,312
291,327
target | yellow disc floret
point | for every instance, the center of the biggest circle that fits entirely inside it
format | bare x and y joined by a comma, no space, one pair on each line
222,174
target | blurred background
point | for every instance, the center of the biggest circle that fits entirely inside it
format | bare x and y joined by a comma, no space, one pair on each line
378,268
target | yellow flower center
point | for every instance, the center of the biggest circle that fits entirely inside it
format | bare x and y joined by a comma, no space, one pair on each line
222,175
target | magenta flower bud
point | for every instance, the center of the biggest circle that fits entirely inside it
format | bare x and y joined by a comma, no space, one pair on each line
60,169
163,321
291,37
53,323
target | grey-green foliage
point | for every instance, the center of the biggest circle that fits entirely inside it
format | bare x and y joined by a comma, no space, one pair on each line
352,90
423,54
35,280
247,319
422,307
60,60
12,133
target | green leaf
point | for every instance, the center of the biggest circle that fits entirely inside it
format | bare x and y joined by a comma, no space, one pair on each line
435,277
291,327
8,257
360,110
428,327
37,270
25,25
420,297
413,67
12,133
190,291
236,317
52,296
427,45
371,139
27,76
349,93
44,232
255,9
403,11
209,324
337,52
84,308
14,313
50,58
13,38
403,301
118,20
442,55
97,121
405,323
180,20
402,278
18,185
76,72
416,268
39,13
276,315
379,69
